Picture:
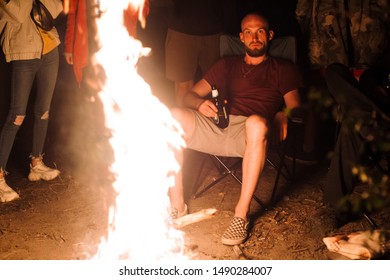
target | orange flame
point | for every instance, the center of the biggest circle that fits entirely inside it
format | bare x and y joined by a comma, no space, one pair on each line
144,136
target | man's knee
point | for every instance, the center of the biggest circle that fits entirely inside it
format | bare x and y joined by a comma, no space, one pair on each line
185,117
256,126
177,113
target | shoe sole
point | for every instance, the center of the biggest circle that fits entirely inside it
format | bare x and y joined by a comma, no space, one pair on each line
37,177
231,242
7,194
9,197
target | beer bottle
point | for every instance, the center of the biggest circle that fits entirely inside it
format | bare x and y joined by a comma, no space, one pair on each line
222,118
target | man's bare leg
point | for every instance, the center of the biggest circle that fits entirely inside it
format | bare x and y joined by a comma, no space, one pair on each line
256,131
176,193
253,162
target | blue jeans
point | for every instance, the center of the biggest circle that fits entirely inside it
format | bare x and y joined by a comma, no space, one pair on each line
23,74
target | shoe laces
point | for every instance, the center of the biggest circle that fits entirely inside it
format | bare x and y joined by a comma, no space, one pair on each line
3,185
42,166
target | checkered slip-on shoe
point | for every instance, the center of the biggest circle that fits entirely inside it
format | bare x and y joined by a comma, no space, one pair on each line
236,233
175,214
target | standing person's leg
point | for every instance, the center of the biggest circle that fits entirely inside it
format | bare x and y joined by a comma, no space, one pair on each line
181,88
209,51
199,51
181,61
22,78
46,81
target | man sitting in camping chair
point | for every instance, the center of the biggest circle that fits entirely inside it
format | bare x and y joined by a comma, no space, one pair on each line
256,87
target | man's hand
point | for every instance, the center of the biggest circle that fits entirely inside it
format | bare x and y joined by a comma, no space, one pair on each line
279,128
208,108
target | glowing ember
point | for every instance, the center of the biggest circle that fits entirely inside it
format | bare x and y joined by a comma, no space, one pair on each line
144,136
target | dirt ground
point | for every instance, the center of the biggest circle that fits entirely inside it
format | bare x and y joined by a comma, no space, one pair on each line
66,219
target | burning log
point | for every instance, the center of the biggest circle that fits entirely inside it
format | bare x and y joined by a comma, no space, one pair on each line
194,217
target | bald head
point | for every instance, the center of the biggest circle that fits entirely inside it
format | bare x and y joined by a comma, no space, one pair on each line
254,19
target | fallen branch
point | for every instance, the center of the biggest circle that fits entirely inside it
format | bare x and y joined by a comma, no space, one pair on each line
239,253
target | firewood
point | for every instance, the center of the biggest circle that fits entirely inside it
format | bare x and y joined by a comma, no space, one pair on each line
194,217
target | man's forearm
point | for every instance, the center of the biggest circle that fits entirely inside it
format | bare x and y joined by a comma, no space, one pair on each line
192,100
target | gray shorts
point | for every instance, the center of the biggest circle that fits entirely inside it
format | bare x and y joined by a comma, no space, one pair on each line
210,139
185,53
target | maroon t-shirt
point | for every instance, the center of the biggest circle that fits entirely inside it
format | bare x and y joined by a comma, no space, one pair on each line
254,89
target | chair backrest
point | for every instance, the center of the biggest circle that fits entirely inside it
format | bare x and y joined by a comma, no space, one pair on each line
283,47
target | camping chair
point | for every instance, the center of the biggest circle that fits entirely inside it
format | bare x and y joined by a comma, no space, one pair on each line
284,47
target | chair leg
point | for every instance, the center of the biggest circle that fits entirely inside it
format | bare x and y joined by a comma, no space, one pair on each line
288,175
227,170
199,193
285,172
264,206
278,173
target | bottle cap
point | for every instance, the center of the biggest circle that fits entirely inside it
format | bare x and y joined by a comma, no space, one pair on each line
214,92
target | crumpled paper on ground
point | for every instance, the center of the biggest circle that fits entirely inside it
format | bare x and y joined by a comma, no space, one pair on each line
360,245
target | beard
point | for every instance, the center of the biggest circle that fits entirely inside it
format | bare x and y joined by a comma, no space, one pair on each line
256,52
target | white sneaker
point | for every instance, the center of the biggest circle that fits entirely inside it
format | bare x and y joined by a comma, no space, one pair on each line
6,193
42,172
